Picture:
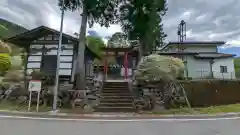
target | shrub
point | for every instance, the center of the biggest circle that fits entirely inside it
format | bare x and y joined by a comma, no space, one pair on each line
14,76
16,62
45,78
5,48
5,62
158,68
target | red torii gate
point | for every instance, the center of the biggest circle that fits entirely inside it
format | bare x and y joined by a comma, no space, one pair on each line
119,51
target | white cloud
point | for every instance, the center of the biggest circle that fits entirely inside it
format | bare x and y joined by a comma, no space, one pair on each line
206,20
104,32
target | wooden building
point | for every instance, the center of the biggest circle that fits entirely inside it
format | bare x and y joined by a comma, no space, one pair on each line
41,45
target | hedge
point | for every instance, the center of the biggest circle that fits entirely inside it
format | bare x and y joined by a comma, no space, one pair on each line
214,92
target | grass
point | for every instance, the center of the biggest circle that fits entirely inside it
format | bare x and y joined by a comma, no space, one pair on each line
9,106
204,110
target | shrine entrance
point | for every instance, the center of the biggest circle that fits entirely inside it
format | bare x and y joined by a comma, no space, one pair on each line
126,62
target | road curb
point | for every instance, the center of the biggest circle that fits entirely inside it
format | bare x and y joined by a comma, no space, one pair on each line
115,115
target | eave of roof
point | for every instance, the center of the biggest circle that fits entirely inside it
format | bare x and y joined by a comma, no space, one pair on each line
177,53
200,42
214,55
206,55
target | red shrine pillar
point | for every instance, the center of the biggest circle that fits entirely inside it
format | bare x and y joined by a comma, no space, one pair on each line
126,65
106,65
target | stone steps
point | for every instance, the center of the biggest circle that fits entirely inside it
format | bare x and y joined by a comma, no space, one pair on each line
114,100
114,94
116,97
115,109
116,104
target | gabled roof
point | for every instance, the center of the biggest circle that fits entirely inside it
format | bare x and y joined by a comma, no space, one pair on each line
203,43
39,32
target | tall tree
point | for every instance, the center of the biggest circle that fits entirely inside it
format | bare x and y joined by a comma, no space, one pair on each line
92,11
142,20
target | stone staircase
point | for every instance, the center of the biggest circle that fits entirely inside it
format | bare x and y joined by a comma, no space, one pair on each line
116,97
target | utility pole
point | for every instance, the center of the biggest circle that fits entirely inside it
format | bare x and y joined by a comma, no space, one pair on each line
181,37
55,99
181,34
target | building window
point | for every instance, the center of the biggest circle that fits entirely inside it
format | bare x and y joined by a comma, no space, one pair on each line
49,37
34,58
65,71
223,69
33,65
66,58
65,65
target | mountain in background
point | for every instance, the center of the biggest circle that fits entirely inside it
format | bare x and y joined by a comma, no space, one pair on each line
9,29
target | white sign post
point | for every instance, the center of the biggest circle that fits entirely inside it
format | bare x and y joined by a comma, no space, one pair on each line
34,86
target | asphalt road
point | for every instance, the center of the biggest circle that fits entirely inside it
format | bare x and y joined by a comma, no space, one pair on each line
54,127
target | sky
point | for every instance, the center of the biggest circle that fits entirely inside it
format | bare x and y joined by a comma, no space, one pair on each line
207,20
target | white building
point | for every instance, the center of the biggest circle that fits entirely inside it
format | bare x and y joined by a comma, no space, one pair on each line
202,59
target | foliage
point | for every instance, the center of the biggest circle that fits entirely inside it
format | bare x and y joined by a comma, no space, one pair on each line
16,62
14,76
142,20
237,67
98,11
9,29
159,68
118,39
45,78
5,62
111,60
95,44
5,48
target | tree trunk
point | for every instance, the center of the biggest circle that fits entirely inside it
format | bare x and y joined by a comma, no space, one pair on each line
80,82
141,49
211,70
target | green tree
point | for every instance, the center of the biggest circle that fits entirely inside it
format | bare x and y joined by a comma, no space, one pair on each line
142,20
95,44
93,11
